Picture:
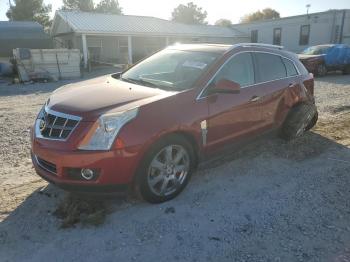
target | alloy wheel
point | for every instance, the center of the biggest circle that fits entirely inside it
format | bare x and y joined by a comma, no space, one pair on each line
168,170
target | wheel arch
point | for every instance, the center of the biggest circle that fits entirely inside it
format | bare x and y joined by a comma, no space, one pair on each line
186,135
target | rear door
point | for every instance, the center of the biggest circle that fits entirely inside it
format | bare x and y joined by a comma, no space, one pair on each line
232,116
276,77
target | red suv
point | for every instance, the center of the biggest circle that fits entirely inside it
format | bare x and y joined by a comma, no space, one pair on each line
151,125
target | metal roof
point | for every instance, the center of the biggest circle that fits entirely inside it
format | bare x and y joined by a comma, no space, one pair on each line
21,30
96,23
15,34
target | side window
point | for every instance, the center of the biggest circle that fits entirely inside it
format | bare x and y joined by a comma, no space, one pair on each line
269,67
291,70
239,69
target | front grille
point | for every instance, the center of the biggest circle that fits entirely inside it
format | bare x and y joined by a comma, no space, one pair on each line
48,166
55,125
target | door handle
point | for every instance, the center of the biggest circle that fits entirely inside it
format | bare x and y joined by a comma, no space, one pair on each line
255,98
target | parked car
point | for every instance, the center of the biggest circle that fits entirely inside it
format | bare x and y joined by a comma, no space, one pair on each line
321,59
151,125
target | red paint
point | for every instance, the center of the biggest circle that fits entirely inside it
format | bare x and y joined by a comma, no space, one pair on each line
231,117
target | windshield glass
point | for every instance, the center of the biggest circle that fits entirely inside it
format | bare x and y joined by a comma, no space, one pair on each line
170,69
316,50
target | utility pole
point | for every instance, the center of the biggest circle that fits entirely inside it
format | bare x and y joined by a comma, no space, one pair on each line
307,9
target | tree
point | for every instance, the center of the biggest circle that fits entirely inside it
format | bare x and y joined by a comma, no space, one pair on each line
189,14
82,5
109,6
30,10
267,13
223,22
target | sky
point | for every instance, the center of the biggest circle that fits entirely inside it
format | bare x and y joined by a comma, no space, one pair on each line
229,9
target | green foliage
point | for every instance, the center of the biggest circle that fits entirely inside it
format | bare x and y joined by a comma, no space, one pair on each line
30,10
82,5
109,6
189,14
223,22
267,13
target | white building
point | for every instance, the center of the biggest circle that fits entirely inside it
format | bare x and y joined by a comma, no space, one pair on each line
126,39
296,33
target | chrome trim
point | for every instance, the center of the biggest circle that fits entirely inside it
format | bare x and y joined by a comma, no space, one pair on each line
263,45
57,114
199,96
41,166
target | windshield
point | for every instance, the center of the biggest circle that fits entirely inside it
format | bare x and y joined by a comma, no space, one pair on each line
316,50
170,69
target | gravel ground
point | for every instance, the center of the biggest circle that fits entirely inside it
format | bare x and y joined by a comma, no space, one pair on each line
271,201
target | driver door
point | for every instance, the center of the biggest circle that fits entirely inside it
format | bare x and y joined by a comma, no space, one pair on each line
234,116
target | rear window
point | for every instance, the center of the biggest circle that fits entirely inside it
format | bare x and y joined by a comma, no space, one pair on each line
291,70
269,67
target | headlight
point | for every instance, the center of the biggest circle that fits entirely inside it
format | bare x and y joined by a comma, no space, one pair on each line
41,113
106,130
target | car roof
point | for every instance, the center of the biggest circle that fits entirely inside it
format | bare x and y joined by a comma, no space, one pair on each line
325,45
211,48
222,48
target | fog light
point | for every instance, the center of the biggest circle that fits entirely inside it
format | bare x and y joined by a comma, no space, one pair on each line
88,174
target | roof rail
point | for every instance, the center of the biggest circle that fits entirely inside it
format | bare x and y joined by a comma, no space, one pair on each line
262,45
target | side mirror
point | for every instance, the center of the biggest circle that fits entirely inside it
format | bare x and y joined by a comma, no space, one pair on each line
117,75
227,87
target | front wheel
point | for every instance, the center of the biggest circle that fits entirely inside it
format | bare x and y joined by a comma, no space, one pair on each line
166,169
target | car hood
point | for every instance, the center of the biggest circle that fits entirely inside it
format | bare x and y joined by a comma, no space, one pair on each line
306,57
91,98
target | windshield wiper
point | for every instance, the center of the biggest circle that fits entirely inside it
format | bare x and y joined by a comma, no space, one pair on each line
139,82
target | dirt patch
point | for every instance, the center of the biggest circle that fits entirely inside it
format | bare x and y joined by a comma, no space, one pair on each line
258,207
76,209
336,127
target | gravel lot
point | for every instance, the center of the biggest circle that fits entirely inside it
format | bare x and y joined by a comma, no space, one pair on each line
271,201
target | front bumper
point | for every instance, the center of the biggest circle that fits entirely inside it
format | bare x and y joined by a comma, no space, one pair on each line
115,168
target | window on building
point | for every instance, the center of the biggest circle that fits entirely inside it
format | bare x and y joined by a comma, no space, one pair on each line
239,69
254,36
277,36
304,35
269,67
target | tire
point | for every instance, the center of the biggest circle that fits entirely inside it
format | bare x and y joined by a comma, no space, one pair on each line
300,119
321,70
346,70
313,122
162,174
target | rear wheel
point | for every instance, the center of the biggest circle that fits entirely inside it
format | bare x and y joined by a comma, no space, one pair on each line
166,169
300,119
321,70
